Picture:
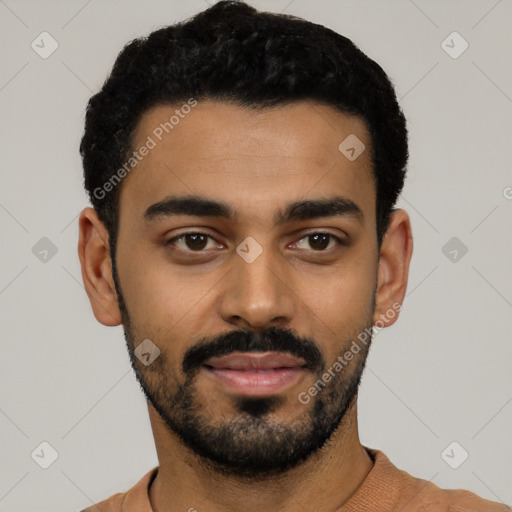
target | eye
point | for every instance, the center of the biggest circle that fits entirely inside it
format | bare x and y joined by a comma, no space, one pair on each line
194,241
320,241
191,242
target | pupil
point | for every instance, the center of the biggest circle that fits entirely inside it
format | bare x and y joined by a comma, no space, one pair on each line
198,241
316,237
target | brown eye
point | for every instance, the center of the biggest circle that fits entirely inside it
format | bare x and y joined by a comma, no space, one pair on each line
320,241
191,242
196,241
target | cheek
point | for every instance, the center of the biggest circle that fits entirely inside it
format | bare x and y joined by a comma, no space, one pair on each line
342,307
169,306
150,288
149,298
342,311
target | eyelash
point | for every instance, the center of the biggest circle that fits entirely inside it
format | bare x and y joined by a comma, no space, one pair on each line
338,240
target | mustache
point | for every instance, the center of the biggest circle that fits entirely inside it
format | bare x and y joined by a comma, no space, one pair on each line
272,339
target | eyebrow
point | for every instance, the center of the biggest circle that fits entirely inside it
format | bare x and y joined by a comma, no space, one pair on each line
199,206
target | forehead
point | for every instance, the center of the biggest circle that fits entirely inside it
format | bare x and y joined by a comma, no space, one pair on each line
253,159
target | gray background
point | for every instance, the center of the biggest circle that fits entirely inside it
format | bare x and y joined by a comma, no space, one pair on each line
441,374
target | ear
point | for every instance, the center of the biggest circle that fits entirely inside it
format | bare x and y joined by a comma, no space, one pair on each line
94,254
393,270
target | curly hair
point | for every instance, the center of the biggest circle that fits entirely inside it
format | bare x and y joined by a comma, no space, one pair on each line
234,53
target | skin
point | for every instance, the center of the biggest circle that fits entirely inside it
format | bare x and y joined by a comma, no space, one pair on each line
258,162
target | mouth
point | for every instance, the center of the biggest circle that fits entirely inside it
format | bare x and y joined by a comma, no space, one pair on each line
256,374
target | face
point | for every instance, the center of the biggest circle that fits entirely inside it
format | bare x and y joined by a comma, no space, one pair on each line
247,254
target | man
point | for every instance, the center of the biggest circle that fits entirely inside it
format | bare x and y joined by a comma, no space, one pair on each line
243,168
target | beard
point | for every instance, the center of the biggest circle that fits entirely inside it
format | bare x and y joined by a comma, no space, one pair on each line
250,443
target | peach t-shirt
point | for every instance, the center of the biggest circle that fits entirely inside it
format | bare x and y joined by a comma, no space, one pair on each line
385,489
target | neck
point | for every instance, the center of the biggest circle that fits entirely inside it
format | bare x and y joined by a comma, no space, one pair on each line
324,482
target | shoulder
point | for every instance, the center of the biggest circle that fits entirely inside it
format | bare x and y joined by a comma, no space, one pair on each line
408,493
137,498
458,500
428,497
112,504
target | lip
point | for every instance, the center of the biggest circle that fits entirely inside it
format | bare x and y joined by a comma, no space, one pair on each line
255,361
256,374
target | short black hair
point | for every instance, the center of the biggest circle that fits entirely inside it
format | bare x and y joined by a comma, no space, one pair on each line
234,53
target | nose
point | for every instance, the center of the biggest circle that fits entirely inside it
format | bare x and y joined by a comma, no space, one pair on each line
258,294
